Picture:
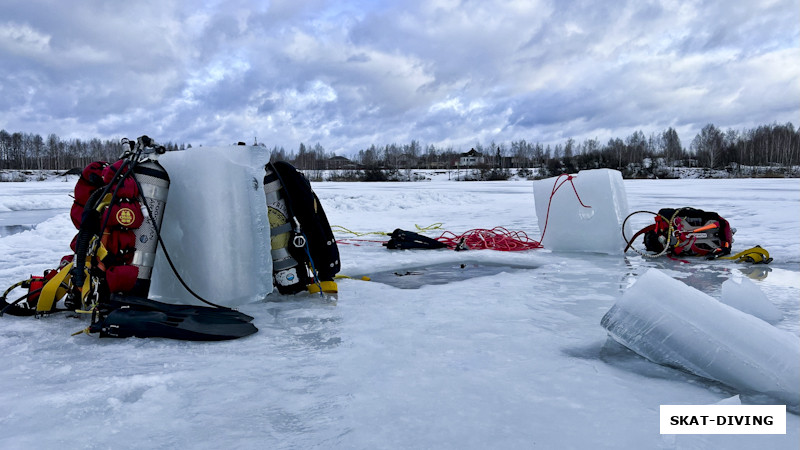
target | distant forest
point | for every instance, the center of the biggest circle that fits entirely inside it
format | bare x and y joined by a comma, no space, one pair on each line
775,146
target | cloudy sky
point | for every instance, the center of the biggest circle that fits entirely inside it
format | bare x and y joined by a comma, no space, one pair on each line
350,73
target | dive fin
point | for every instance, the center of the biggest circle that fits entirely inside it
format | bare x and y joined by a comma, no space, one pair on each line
145,304
403,240
139,317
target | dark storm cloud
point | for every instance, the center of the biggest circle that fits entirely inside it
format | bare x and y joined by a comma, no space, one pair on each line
350,74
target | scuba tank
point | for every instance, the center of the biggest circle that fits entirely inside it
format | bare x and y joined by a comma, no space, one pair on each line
153,181
304,251
289,276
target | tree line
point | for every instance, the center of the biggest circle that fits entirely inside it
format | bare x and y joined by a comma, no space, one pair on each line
774,145
28,151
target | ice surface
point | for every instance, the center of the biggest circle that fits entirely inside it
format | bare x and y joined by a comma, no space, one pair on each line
673,324
571,226
215,227
745,296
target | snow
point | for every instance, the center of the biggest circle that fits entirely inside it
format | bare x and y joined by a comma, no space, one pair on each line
512,360
676,325
583,212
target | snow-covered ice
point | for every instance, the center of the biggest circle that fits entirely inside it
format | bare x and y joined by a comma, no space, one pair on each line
512,360
583,212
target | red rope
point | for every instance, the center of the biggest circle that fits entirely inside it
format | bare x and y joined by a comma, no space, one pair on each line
556,187
497,238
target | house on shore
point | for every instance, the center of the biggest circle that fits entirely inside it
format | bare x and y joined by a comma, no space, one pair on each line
472,158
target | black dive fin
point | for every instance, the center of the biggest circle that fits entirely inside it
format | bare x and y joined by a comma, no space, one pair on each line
145,304
404,240
15,309
143,318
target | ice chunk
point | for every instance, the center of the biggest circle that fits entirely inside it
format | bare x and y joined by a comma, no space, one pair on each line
215,226
745,296
673,324
571,226
735,400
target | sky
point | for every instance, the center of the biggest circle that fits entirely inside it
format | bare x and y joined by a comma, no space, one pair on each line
351,73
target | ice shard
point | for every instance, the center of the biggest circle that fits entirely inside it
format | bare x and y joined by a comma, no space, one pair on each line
673,324
745,296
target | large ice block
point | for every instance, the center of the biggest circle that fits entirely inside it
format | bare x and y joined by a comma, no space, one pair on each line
572,226
673,324
215,227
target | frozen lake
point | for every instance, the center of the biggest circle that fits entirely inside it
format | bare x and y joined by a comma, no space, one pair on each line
513,359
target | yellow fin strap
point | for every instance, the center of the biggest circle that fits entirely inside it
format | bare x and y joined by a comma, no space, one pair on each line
329,287
52,291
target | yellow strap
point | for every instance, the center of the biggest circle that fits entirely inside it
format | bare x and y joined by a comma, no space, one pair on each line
83,331
756,254
87,283
364,278
329,287
105,202
52,290
102,252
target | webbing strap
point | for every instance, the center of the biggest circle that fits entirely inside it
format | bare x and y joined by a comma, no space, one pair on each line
329,287
755,255
102,252
280,253
52,290
281,229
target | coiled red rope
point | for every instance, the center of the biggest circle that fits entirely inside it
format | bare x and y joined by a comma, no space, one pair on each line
498,238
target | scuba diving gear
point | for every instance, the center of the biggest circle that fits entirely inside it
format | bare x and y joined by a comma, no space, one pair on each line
402,240
304,251
118,211
131,316
689,231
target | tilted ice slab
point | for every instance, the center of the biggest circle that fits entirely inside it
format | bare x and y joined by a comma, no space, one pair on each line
673,324
586,212
745,296
215,226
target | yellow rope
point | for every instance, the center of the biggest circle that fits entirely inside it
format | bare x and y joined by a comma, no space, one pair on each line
343,230
431,227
